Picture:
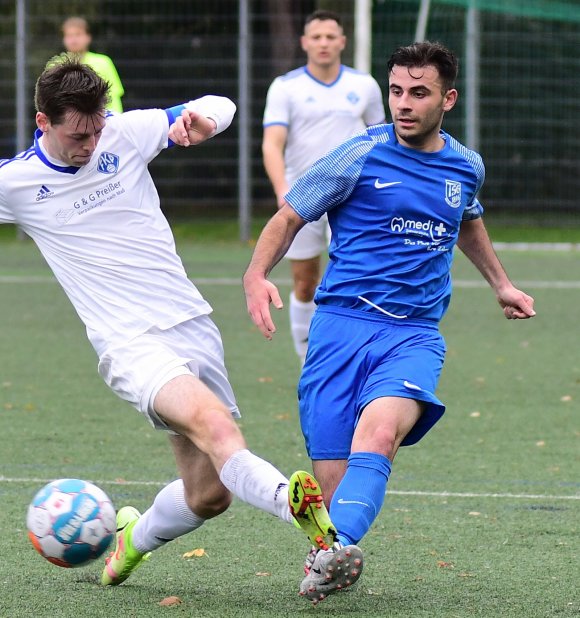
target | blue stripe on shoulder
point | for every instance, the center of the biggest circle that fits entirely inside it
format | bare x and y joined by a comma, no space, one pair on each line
472,158
293,74
23,156
353,70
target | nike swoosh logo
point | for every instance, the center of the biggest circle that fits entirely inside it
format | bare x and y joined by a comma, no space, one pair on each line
343,501
412,386
383,185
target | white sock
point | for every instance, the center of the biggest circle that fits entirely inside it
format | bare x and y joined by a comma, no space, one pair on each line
168,518
300,317
258,483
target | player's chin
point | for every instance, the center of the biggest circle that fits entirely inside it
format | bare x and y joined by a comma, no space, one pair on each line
80,161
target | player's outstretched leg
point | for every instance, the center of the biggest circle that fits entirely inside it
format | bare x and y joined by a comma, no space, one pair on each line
125,558
308,509
332,570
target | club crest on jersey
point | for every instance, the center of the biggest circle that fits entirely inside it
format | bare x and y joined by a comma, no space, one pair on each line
453,193
108,163
353,97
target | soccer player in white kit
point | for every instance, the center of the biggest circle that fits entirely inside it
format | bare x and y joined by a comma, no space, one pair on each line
83,193
309,111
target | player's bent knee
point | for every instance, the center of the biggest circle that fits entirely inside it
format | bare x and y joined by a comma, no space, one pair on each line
382,440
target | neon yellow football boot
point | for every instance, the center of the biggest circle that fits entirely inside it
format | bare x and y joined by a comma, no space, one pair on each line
125,558
308,509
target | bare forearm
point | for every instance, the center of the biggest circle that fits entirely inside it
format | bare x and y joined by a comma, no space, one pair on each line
276,170
272,245
474,241
274,241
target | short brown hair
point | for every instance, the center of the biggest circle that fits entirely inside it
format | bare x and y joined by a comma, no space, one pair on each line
424,54
323,15
76,22
67,84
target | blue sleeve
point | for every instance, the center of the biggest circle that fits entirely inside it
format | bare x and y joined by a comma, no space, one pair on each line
473,211
331,179
172,114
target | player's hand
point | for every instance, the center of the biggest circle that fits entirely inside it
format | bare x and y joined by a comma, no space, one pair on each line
191,129
259,294
516,305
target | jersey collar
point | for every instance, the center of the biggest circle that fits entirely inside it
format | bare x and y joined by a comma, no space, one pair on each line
324,83
70,169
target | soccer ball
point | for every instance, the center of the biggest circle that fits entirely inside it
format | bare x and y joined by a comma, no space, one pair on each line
71,522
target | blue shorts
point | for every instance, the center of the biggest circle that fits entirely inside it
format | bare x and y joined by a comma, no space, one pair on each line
355,357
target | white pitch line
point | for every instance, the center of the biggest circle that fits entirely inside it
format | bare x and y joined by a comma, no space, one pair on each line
235,281
451,494
429,494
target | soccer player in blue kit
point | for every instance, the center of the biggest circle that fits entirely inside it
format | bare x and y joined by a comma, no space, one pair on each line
399,197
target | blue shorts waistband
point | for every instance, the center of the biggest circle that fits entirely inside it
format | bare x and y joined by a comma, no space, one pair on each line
377,317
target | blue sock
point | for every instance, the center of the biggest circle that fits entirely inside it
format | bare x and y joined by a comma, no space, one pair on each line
359,496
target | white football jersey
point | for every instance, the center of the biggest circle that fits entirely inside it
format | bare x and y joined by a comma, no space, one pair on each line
101,229
321,116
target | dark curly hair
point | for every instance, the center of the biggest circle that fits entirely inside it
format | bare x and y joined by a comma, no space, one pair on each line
424,54
66,84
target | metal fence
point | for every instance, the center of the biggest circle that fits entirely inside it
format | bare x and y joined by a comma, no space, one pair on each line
166,52
528,100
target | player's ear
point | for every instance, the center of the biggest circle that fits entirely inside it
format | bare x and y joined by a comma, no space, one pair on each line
449,99
42,121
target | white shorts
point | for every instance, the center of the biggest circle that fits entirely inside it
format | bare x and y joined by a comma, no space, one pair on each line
311,241
137,370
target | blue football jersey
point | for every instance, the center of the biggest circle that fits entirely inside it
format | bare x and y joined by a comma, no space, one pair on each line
395,214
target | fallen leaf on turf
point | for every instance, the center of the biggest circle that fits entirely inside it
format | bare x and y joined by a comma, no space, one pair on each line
263,574
474,513
29,407
8,406
465,575
265,379
195,553
475,414
282,417
566,398
168,601
444,565
540,443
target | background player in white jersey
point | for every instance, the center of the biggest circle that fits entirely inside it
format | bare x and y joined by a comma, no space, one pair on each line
83,193
308,112
399,197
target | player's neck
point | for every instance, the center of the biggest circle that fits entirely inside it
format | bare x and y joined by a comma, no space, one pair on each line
325,74
434,143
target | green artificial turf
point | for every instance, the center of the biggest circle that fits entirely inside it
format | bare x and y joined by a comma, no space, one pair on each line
482,516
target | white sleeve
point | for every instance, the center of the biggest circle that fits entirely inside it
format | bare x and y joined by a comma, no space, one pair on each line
146,129
277,110
375,110
220,109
